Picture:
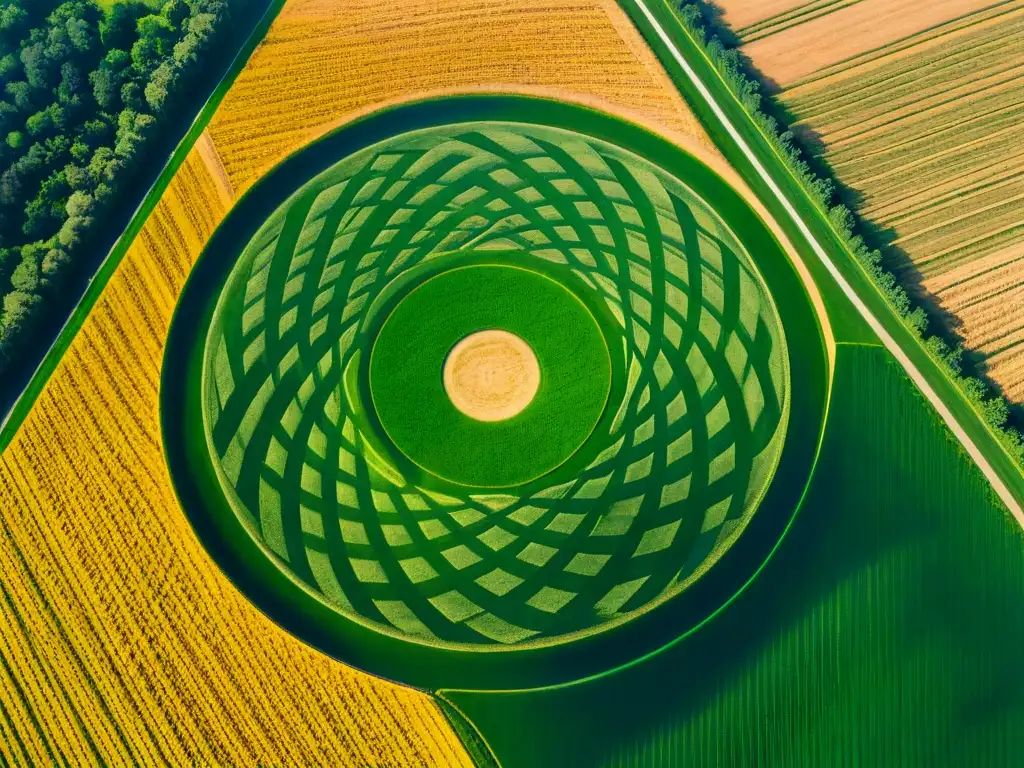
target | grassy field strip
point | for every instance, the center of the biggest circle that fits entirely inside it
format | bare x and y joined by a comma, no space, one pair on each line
888,192
890,111
915,212
941,241
12,419
995,151
901,356
914,208
865,120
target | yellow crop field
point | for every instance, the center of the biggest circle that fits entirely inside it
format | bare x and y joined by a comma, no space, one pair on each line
121,642
324,62
920,119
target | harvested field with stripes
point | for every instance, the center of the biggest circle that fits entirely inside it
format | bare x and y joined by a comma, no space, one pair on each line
921,120
359,59
121,639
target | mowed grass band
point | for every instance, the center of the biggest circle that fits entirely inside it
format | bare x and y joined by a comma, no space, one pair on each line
655,426
416,411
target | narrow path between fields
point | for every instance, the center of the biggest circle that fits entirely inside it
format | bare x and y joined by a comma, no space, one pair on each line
897,351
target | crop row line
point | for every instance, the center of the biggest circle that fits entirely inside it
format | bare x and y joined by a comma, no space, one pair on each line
769,180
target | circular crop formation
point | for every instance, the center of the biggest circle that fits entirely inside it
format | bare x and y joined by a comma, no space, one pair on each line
470,401
491,375
493,384
419,345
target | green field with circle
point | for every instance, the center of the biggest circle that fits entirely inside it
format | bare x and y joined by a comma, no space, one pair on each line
319,338
419,417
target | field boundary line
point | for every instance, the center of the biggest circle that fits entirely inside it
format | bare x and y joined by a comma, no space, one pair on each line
440,696
868,344
22,405
998,485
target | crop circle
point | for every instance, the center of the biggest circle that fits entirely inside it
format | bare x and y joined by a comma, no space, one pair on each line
491,375
367,261
319,422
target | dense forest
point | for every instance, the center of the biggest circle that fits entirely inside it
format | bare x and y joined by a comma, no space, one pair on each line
85,89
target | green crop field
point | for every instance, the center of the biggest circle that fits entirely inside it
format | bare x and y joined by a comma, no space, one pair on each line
342,478
885,630
416,411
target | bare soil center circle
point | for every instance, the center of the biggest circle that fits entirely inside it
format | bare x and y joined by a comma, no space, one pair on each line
491,375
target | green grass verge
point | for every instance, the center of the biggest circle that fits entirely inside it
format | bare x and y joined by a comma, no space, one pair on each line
109,267
470,737
415,410
108,4
885,629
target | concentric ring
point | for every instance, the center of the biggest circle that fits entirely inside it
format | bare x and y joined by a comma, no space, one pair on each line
410,350
491,375
677,461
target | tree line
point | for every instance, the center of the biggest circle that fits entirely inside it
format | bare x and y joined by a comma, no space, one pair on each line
84,93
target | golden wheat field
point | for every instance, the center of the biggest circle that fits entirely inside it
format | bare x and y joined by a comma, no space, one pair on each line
920,118
582,50
122,643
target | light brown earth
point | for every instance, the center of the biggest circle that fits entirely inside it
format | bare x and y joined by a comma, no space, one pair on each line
921,120
798,51
491,375
739,14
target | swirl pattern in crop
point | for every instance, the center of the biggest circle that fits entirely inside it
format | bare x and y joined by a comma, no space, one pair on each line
675,467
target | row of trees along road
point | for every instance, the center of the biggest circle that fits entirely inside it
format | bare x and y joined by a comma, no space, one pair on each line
84,91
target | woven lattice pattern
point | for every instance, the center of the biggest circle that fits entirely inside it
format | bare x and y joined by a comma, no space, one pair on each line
692,444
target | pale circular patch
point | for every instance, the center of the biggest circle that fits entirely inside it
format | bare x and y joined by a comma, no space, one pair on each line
491,375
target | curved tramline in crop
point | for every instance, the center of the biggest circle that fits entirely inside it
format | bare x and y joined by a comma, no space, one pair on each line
464,395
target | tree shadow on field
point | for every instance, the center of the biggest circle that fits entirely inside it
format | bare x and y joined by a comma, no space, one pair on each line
810,141
717,26
714,18
865,509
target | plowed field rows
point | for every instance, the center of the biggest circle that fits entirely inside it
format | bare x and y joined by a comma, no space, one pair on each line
920,119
